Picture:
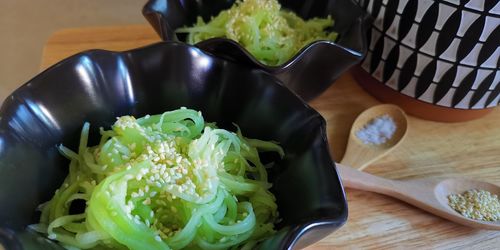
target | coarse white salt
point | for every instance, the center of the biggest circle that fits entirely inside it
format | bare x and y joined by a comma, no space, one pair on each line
377,131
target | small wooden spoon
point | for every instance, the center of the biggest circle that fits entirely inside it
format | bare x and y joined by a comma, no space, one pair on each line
360,155
428,194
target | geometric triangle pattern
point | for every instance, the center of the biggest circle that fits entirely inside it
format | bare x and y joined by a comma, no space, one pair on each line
444,52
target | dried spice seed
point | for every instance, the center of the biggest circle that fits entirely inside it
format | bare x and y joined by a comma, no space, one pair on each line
476,204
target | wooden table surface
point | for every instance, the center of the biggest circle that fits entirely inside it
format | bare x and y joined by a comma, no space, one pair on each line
470,149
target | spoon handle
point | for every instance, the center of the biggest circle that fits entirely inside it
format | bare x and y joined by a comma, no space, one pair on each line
360,180
417,193
420,193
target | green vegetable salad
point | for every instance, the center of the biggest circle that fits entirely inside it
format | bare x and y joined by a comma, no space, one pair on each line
270,34
166,181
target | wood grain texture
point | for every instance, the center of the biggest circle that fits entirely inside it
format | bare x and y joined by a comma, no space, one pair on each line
468,149
67,42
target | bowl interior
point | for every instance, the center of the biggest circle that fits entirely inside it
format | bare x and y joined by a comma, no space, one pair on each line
311,71
97,86
175,14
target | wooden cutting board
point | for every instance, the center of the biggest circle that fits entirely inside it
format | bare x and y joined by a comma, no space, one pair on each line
470,149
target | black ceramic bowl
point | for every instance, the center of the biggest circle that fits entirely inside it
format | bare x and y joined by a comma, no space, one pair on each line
97,86
311,71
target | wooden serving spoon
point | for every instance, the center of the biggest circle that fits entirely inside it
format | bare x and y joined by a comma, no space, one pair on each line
428,194
360,155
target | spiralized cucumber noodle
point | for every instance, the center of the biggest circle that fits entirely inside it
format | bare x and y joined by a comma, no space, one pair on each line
270,34
167,181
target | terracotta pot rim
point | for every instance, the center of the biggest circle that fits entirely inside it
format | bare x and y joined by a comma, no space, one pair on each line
412,106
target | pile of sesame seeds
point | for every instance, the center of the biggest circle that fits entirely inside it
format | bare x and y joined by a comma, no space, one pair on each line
476,204
242,12
171,177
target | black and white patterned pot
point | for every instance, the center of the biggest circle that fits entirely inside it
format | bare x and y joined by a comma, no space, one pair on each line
442,52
